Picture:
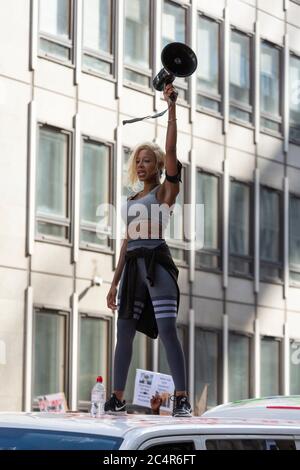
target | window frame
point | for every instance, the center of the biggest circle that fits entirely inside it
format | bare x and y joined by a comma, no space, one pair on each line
291,341
292,282
220,361
163,445
126,152
54,39
135,69
249,258
186,86
88,246
65,221
236,104
250,337
250,436
81,404
218,98
219,252
66,313
294,55
275,265
101,55
280,360
266,115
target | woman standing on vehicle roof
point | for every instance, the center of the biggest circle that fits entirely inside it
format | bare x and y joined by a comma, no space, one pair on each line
148,296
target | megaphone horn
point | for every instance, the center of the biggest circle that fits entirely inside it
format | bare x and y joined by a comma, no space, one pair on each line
179,60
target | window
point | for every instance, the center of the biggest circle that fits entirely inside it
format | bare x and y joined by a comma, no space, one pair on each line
270,443
53,185
126,191
137,42
179,445
95,195
175,234
139,360
294,99
97,36
37,439
294,243
294,367
270,235
270,92
50,358
270,367
240,217
208,82
163,365
207,193
239,367
56,29
174,20
240,77
207,365
94,355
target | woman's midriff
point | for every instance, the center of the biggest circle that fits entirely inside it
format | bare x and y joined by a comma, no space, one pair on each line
153,231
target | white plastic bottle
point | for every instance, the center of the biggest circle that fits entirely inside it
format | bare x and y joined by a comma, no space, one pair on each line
98,397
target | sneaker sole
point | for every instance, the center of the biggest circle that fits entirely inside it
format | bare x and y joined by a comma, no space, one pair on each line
182,415
116,413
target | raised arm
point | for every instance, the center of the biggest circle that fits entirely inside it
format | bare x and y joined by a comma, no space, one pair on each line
170,186
171,138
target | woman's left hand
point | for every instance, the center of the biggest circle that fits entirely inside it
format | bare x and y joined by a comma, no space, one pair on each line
168,91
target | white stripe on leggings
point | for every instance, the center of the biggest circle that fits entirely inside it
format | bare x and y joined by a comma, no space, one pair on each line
171,308
165,315
164,301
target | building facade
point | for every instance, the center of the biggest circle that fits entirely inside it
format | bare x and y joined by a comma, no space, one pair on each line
70,72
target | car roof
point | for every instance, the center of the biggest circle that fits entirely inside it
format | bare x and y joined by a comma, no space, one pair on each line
280,408
138,425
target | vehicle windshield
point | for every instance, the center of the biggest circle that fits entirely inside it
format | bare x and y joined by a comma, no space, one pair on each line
32,439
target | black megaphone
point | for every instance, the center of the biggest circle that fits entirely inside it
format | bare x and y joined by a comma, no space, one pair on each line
179,60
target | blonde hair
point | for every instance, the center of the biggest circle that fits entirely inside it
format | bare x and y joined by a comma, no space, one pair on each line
132,177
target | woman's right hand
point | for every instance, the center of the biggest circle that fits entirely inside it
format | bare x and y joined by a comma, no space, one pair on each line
170,93
111,297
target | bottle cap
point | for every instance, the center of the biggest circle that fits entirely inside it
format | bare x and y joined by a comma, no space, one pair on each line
99,379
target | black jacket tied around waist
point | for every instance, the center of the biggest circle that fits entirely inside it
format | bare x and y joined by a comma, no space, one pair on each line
160,254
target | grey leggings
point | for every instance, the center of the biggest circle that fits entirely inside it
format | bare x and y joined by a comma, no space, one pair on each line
164,299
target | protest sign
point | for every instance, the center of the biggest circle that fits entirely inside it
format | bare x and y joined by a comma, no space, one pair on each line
149,383
55,402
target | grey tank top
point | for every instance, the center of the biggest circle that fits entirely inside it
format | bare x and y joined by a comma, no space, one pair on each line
146,208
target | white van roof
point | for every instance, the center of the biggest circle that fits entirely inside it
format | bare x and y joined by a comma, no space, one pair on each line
135,430
255,414
283,408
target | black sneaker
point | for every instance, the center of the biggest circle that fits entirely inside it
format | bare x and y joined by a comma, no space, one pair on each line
114,406
181,407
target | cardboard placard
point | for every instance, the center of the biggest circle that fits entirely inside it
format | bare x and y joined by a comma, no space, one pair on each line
148,383
55,402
